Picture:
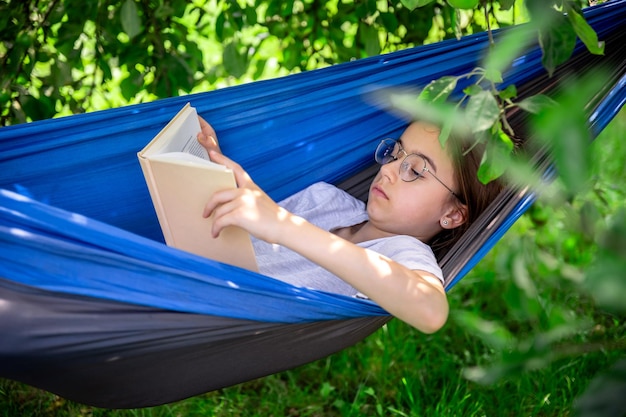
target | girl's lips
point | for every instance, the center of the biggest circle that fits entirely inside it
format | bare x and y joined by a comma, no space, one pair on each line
379,191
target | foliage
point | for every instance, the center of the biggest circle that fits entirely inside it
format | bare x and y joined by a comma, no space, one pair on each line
572,246
487,99
550,331
68,56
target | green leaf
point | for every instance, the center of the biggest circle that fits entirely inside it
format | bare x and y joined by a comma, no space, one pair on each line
571,152
259,68
413,4
292,56
508,93
131,22
446,129
521,276
491,332
564,129
286,7
536,104
220,22
235,63
24,39
179,73
165,10
390,21
368,35
439,90
519,305
482,111
61,73
557,41
273,8
493,75
107,74
605,282
463,4
195,53
132,84
605,279
508,47
409,105
506,4
605,395
585,32
614,238
251,15
472,90
496,158
37,108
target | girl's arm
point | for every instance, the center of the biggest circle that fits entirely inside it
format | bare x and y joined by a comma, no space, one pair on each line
415,297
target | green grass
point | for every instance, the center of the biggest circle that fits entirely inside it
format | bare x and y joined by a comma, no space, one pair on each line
401,372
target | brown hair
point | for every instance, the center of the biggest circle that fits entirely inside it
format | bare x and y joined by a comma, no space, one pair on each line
466,158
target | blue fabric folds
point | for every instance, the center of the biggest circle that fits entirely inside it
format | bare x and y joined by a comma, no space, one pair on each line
76,217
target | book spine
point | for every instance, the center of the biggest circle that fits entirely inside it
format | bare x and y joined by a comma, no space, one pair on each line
156,199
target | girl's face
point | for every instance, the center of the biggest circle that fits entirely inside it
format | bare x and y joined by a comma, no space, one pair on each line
423,207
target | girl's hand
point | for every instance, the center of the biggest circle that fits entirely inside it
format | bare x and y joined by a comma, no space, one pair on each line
247,206
207,136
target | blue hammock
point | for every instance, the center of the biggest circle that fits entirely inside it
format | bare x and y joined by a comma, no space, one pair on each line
97,309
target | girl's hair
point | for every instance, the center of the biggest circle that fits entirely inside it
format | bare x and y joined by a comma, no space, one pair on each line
466,157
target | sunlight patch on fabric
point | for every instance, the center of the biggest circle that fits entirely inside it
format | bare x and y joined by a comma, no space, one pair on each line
78,218
22,196
20,232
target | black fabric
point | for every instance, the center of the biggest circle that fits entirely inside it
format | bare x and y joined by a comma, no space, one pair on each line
116,355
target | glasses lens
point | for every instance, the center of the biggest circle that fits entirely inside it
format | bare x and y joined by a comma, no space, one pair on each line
385,151
412,167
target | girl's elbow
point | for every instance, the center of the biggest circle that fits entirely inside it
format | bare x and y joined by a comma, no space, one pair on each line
434,325
434,319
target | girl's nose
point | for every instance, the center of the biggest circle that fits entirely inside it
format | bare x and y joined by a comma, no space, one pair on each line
391,170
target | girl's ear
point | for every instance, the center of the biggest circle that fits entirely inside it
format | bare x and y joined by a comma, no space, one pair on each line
455,216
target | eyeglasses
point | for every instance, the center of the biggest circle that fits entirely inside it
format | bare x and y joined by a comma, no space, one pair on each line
413,165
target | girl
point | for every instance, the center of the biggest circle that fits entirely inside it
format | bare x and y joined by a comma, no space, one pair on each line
324,238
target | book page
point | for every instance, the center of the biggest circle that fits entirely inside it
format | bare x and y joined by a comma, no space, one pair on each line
193,147
180,135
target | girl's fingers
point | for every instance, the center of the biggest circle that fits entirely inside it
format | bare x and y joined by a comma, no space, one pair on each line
206,128
229,208
223,160
220,219
207,136
217,199
208,142
241,176
249,209
224,216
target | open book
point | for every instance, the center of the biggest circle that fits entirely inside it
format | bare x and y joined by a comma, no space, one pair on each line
181,179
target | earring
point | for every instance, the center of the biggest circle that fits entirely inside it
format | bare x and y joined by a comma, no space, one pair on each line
445,222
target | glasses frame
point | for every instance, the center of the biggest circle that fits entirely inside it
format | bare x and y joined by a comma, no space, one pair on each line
388,158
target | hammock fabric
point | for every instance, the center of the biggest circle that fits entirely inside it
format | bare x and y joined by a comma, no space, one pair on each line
96,309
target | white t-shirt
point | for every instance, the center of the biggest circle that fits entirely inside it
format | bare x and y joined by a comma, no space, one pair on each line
330,208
